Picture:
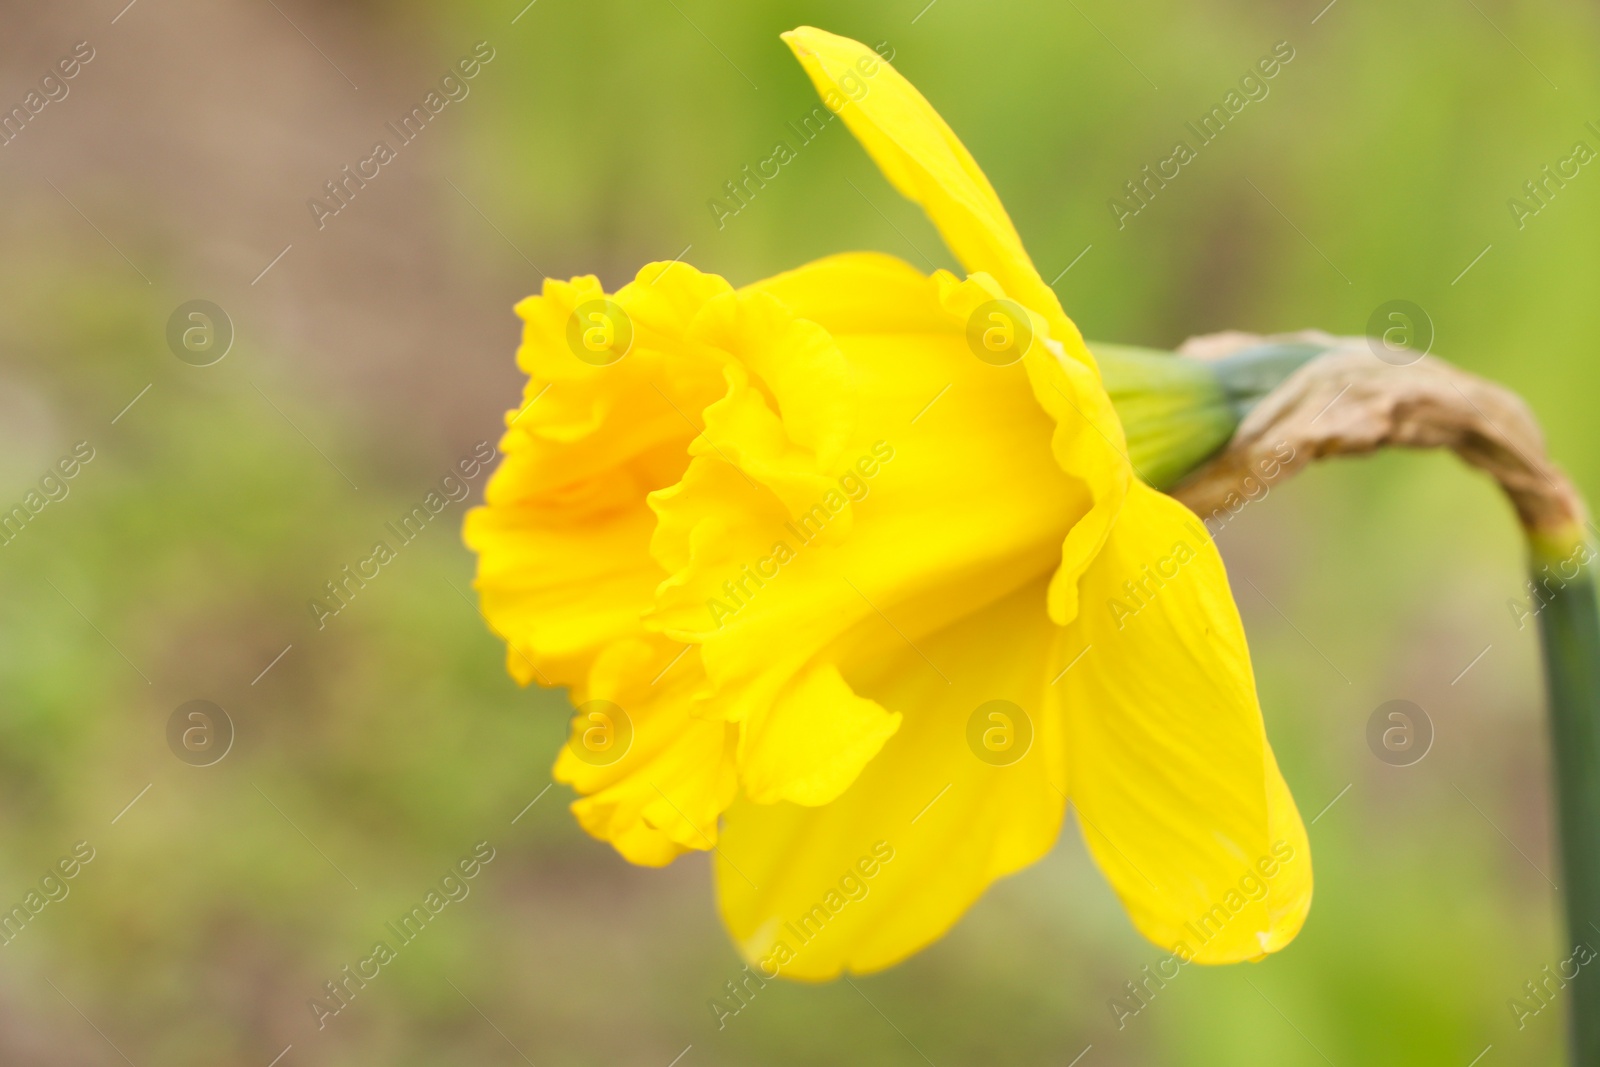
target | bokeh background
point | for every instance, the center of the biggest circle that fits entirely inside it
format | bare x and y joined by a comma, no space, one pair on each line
377,351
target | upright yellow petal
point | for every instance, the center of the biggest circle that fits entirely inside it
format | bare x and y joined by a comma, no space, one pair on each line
1179,796
924,159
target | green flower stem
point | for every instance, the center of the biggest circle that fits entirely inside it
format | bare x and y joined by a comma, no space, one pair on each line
1569,630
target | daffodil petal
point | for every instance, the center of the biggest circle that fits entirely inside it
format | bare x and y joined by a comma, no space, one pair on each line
888,867
810,745
924,159
1087,443
1179,796
859,294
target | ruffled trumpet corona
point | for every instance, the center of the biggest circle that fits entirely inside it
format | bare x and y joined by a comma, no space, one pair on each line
855,582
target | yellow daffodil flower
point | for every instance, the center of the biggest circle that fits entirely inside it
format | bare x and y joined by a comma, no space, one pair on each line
852,582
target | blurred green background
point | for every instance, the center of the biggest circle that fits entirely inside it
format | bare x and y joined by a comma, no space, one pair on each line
377,351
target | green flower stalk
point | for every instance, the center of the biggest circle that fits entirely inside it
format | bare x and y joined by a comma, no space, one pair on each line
1569,629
